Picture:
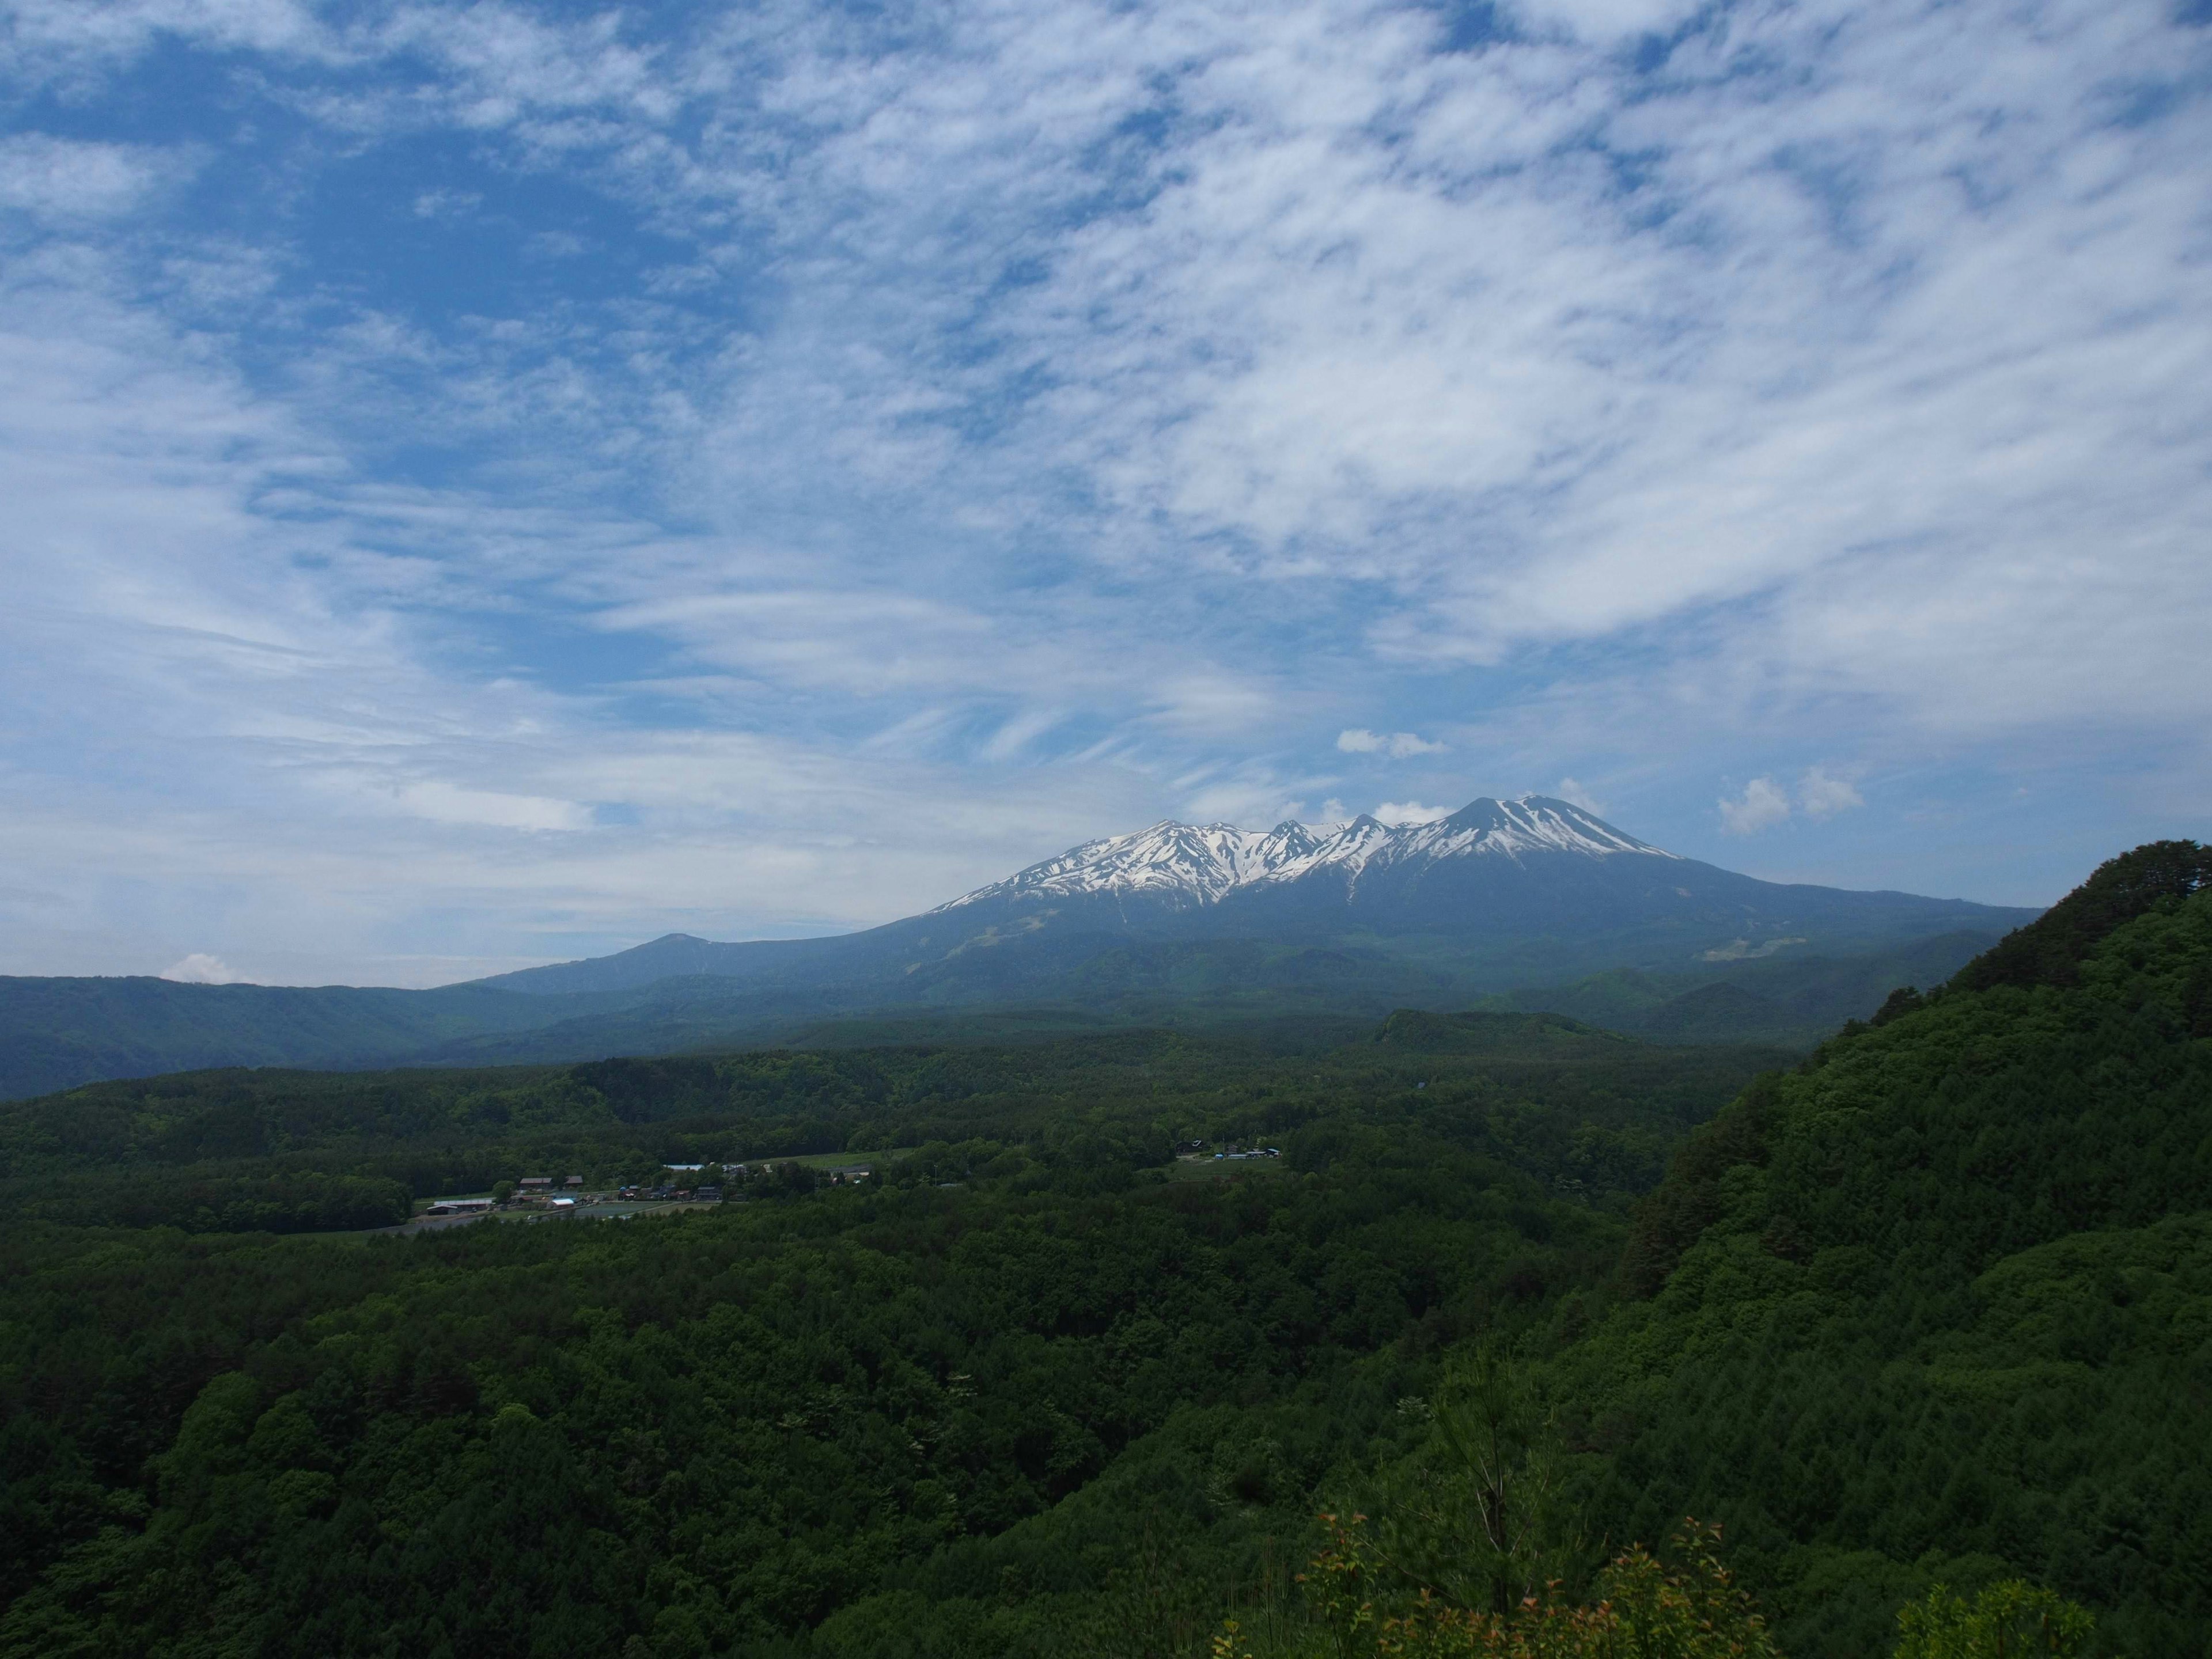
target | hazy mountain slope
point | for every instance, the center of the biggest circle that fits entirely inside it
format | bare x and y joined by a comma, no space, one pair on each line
1418,1031
1794,1001
56,1033
1209,982
682,955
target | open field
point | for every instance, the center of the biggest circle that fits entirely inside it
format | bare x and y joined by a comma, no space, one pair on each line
839,1160
1225,1169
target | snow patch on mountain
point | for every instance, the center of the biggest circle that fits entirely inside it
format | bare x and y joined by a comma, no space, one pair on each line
1202,864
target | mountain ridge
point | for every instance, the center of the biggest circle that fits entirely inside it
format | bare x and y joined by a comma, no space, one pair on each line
1215,858
1495,875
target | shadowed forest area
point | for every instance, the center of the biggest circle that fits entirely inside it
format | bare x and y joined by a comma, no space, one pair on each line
1923,1322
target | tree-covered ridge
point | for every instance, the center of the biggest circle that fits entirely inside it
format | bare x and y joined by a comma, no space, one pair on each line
189,1151
1942,1299
2053,949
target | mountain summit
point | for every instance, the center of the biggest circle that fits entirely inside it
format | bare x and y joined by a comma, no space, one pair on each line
1202,864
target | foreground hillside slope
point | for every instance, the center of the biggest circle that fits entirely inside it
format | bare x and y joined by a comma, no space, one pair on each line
1939,1303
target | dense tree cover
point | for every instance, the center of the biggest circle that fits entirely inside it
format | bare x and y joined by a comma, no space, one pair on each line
2051,950
1588,1109
198,1200
1636,1608
726,1429
1931,1310
710,1429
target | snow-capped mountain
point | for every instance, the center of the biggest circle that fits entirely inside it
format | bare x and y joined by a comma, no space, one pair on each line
1500,893
1203,864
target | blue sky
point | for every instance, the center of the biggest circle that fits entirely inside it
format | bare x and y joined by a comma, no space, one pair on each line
490,484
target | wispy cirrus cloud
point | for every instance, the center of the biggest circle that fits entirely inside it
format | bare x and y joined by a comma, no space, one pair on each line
894,445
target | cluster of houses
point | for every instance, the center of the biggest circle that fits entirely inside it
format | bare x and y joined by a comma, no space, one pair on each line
560,1193
709,1193
544,1190
1192,1151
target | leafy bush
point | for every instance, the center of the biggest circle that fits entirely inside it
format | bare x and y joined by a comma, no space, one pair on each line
2011,1620
1638,1608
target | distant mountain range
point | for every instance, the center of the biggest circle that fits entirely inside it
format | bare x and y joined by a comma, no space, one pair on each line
1176,923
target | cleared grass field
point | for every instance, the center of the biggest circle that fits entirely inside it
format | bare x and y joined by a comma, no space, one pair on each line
839,1160
1225,1169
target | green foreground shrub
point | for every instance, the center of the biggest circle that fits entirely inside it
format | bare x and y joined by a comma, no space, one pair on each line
2013,1620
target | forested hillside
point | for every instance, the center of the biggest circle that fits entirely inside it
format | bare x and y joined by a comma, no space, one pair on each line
1932,1306
1939,1303
1565,1102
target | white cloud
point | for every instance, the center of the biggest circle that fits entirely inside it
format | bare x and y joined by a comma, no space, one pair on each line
1603,20
74,179
200,969
448,204
1410,811
1568,790
1399,745
1823,797
1382,321
70,42
1763,804
449,803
